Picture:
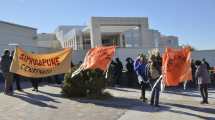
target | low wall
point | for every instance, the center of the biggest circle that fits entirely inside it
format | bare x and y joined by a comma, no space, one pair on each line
28,48
123,53
209,55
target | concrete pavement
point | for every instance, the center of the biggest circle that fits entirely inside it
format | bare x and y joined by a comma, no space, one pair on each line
48,104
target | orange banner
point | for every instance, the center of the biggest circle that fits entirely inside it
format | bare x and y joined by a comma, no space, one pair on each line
40,65
176,66
99,57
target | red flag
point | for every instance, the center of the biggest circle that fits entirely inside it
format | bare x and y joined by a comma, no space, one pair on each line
99,57
176,66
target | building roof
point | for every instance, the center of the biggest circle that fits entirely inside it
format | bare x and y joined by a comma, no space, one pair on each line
9,23
171,37
113,28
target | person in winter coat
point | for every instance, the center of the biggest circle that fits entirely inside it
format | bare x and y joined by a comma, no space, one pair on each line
140,68
154,74
130,71
118,71
203,78
205,62
110,74
8,76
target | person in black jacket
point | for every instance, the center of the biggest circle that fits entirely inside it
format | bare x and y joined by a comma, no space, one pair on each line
118,71
8,76
130,71
205,62
193,68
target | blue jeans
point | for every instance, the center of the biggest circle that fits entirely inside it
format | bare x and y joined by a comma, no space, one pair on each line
155,96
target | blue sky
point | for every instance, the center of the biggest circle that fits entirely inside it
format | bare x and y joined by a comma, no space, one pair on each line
193,21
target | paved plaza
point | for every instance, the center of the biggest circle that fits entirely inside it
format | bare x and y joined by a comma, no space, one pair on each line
48,104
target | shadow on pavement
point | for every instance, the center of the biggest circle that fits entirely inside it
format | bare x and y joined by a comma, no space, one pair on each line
123,90
193,108
188,93
23,84
1,86
124,103
55,85
38,100
191,114
51,94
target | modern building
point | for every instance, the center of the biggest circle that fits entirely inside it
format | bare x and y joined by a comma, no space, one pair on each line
168,41
132,32
131,35
13,34
47,40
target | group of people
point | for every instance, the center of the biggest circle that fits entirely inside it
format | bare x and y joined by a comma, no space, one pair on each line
115,72
5,63
148,72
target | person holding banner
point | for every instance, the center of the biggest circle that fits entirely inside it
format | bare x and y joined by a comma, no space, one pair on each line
16,77
139,67
8,76
35,82
203,78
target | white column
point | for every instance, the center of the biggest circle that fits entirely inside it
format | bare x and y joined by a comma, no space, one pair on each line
121,40
61,38
75,41
95,35
81,41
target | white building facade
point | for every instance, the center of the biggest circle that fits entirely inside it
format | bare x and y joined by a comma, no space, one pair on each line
131,35
12,35
47,40
133,32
